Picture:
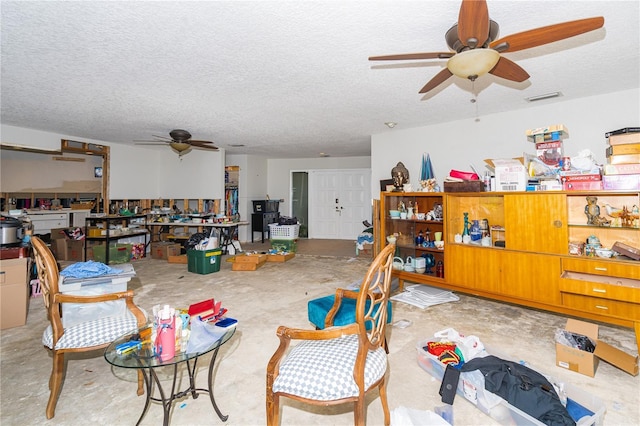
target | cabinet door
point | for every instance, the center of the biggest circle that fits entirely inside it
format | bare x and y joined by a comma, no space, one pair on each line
536,223
532,277
473,267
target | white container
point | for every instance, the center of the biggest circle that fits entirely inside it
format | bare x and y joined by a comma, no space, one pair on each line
471,388
284,232
74,313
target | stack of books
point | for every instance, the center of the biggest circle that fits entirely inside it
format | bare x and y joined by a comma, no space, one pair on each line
549,146
622,171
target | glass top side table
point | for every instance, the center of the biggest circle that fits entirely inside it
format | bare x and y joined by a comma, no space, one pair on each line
145,360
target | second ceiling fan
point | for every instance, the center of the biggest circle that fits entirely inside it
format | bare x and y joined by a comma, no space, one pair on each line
475,50
181,142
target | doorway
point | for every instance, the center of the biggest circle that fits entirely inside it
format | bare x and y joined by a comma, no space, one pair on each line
300,201
339,200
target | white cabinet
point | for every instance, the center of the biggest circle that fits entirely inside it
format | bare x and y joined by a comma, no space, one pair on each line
43,223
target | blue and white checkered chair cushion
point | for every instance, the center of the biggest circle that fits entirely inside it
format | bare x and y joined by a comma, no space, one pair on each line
92,333
323,369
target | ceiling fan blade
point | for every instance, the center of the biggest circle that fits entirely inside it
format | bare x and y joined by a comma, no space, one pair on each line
509,70
151,142
473,23
440,78
548,34
194,141
203,144
413,56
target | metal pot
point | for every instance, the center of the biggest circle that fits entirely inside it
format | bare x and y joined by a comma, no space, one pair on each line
11,231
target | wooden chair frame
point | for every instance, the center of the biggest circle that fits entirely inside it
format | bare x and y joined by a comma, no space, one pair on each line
375,288
48,274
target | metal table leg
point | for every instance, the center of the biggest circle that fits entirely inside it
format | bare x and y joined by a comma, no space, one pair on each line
167,401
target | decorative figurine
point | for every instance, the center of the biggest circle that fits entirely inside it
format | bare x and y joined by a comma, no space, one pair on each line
400,176
465,227
592,210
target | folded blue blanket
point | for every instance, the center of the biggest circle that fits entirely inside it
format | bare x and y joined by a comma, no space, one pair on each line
88,269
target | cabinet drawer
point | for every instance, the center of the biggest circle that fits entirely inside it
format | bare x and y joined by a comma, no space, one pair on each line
602,267
613,288
596,305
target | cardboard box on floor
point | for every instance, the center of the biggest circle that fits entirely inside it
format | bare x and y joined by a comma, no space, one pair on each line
164,249
64,248
586,362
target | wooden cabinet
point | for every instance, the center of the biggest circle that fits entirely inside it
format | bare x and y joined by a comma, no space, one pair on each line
425,218
531,262
536,222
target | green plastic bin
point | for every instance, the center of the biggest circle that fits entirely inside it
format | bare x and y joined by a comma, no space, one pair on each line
203,261
118,253
284,245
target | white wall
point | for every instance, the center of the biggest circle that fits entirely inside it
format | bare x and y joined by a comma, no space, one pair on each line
457,144
138,172
29,138
279,174
22,171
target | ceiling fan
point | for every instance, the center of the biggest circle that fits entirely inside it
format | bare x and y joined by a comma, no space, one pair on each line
180,141
475,50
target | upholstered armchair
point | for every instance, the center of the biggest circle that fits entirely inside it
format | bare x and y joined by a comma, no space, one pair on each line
81,337
338,364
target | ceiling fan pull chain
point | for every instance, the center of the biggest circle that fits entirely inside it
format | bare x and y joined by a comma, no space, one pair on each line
474,100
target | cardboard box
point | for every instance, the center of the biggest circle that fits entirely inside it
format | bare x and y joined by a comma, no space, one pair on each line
584,185
72,250
280,257
621,182
164,249
510,174
586,362
14,292
621,169
550,153
554,132
94,231
567,176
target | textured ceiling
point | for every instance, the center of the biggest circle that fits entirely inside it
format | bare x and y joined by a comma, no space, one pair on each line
285,79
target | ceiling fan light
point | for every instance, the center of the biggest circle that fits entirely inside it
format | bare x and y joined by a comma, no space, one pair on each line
180,146
473,63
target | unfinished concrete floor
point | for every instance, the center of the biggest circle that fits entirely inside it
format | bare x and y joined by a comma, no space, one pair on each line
277,294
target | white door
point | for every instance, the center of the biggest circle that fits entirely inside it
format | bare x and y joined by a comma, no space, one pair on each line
339,200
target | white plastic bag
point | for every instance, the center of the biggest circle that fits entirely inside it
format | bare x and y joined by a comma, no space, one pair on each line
202,335
470,346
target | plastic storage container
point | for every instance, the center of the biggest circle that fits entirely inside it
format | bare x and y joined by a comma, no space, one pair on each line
73,313
118,253
203,261
283,232
284,245
471,388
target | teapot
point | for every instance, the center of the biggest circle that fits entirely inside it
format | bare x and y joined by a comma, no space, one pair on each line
398,263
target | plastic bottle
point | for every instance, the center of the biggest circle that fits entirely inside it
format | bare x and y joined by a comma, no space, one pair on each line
487,181
166,334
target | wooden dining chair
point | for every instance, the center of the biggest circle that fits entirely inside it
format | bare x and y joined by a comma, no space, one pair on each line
80,337
339,364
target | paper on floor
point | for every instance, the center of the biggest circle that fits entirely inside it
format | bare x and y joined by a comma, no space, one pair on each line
424,296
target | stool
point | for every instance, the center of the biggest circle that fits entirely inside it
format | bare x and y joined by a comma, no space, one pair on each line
317,310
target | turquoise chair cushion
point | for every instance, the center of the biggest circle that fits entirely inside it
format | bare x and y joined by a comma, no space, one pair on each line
317,310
